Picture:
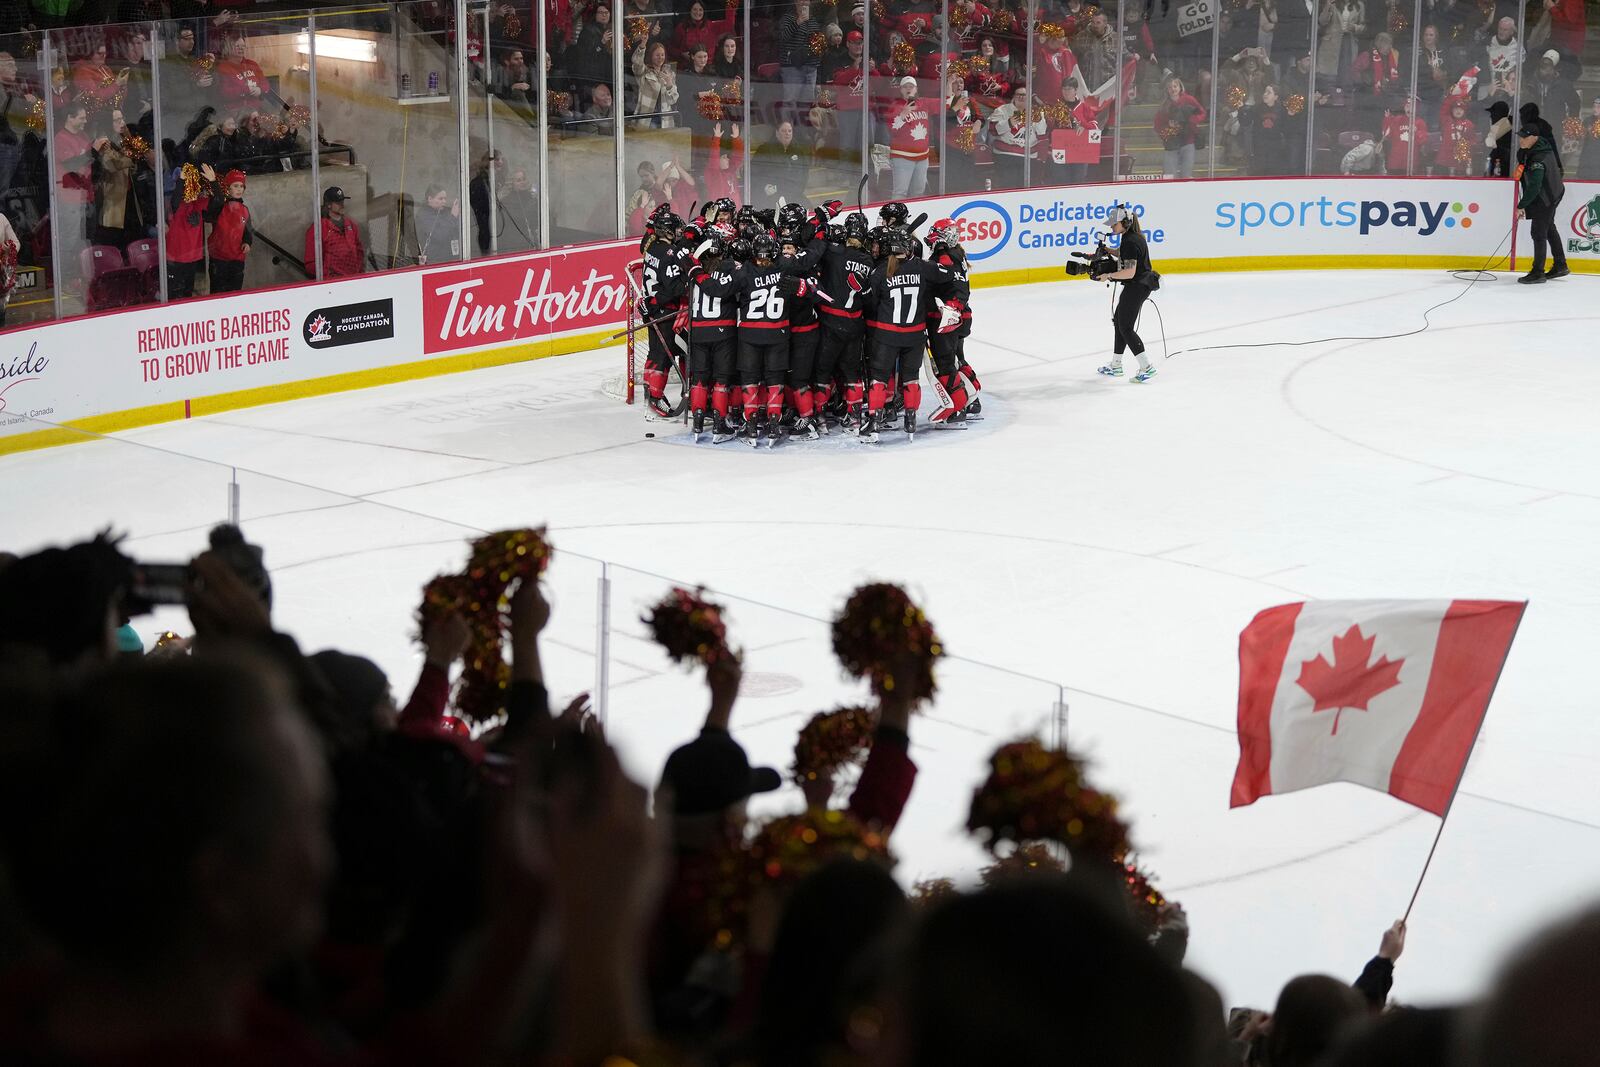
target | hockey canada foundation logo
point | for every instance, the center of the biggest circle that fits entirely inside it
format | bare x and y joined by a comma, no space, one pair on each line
350,324
1586,229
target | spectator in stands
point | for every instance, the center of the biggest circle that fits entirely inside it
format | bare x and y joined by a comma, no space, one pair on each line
1056,64
95,83
186,78
798,60
1311,1011
911,134
1375,79
644,198
513,82
223,145
133,71
1405,139
438,227
481,195
1017,973
186,229
1433,68
658,24
589,59
598,118
212,879
1538,1011
74,156
113,180
1568,25
1096,51
724,176
1340,24
1265,129
656,99
10,248
1589,160
1014,132
17,100
990,55
1457,144
1557,99
519,213
779,168
240,80
232,234
835,57
1502,60
695,31
728,63
1177,122
343,254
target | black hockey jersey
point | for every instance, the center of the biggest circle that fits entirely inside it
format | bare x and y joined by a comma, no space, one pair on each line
666,276
764,297
846,274
954,260
898,304
712,305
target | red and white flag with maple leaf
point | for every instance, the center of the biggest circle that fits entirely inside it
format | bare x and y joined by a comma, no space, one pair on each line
1383,693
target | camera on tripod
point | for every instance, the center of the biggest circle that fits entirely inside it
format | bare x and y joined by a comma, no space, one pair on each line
1096,264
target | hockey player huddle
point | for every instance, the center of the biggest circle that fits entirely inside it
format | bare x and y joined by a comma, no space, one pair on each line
795,324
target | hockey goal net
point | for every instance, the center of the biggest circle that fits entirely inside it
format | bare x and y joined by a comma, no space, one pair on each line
635,345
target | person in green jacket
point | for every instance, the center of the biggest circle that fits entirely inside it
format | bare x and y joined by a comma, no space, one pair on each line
1542,190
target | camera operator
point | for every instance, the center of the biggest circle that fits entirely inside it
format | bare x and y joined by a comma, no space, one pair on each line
1138,281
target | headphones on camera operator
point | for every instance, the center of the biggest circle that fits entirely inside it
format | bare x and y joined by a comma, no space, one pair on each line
1103,261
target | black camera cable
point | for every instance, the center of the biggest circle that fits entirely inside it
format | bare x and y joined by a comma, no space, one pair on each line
1476,275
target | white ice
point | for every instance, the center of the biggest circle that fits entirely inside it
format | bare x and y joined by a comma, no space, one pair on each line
1108,536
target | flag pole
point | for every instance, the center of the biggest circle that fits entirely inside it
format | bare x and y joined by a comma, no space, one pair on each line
1462,773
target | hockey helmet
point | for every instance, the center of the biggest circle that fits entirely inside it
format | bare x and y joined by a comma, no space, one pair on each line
836,234
791,214
711,248
764,247
720,207
667,222
740,250
894,213
895,243
790,235
855,225
944,234
724,230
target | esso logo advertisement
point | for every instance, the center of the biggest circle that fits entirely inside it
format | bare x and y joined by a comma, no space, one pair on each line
984,226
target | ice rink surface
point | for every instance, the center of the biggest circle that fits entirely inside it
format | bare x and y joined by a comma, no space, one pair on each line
1108,537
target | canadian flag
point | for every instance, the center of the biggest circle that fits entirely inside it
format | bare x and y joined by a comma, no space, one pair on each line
1387,694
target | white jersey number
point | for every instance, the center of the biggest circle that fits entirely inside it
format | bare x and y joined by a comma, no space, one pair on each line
766,305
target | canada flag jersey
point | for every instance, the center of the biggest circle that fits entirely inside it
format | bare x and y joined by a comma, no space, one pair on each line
909,130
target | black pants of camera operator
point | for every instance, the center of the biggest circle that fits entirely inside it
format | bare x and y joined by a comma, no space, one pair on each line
1129,304
1542,219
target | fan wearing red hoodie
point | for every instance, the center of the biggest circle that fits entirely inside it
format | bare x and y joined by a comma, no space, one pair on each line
231,235
186,230
1400,130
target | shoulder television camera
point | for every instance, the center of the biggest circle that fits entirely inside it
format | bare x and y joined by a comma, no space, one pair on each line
1096,264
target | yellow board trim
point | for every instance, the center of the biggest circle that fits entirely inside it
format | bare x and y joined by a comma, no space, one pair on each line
94,425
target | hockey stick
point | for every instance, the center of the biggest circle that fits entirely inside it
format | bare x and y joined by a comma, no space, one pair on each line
911,227
860,189
646,322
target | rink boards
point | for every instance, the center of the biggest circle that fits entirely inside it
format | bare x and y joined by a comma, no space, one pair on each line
62,381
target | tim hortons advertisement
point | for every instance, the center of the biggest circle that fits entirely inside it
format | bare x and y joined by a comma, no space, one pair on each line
520,300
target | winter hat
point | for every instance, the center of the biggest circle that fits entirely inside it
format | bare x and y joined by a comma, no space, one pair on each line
1499,110
1553,56
908,80
1528,112
231,177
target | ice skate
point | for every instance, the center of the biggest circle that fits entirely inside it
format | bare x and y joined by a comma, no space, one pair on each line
910,424
721,433
868,432
699,425
807,426
1144,375
751,433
